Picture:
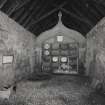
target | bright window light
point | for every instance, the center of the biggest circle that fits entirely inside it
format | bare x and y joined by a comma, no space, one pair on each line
63,59
55,59
59,38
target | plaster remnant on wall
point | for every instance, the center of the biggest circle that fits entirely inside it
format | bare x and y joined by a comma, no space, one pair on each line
95,55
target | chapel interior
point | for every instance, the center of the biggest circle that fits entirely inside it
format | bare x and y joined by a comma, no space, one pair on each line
52,52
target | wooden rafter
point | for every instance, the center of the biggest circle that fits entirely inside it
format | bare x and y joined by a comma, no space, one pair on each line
84,20
31,11
78,12
99,8
83,6
27,22
22,4
45,4
23,17
2,3
18,14
80,17
48,14
13,7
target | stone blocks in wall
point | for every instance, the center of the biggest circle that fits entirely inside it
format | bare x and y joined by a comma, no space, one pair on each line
95,55
16,41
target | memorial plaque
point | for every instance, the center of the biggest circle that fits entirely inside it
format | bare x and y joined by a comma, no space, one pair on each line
7,59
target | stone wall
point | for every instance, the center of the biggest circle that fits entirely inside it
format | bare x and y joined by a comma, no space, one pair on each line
15,41
95,56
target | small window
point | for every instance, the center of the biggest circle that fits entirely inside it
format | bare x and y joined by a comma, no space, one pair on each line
7,59
59,38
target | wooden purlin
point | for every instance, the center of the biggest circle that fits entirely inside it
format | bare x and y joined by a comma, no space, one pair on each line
77,17
22,4
83,6
24,15
78,12
32,11
18,14
2,3
99,8
12,8
47,14
82,19
44,4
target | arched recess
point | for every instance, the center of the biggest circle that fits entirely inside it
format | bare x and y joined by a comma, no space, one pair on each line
60,35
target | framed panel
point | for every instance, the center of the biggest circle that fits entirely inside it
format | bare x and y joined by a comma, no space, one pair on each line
7,59
64,59
55,59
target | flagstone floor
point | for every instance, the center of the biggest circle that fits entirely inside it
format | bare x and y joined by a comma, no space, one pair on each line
57,90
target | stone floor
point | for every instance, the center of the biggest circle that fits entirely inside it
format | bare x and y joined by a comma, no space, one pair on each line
57,90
